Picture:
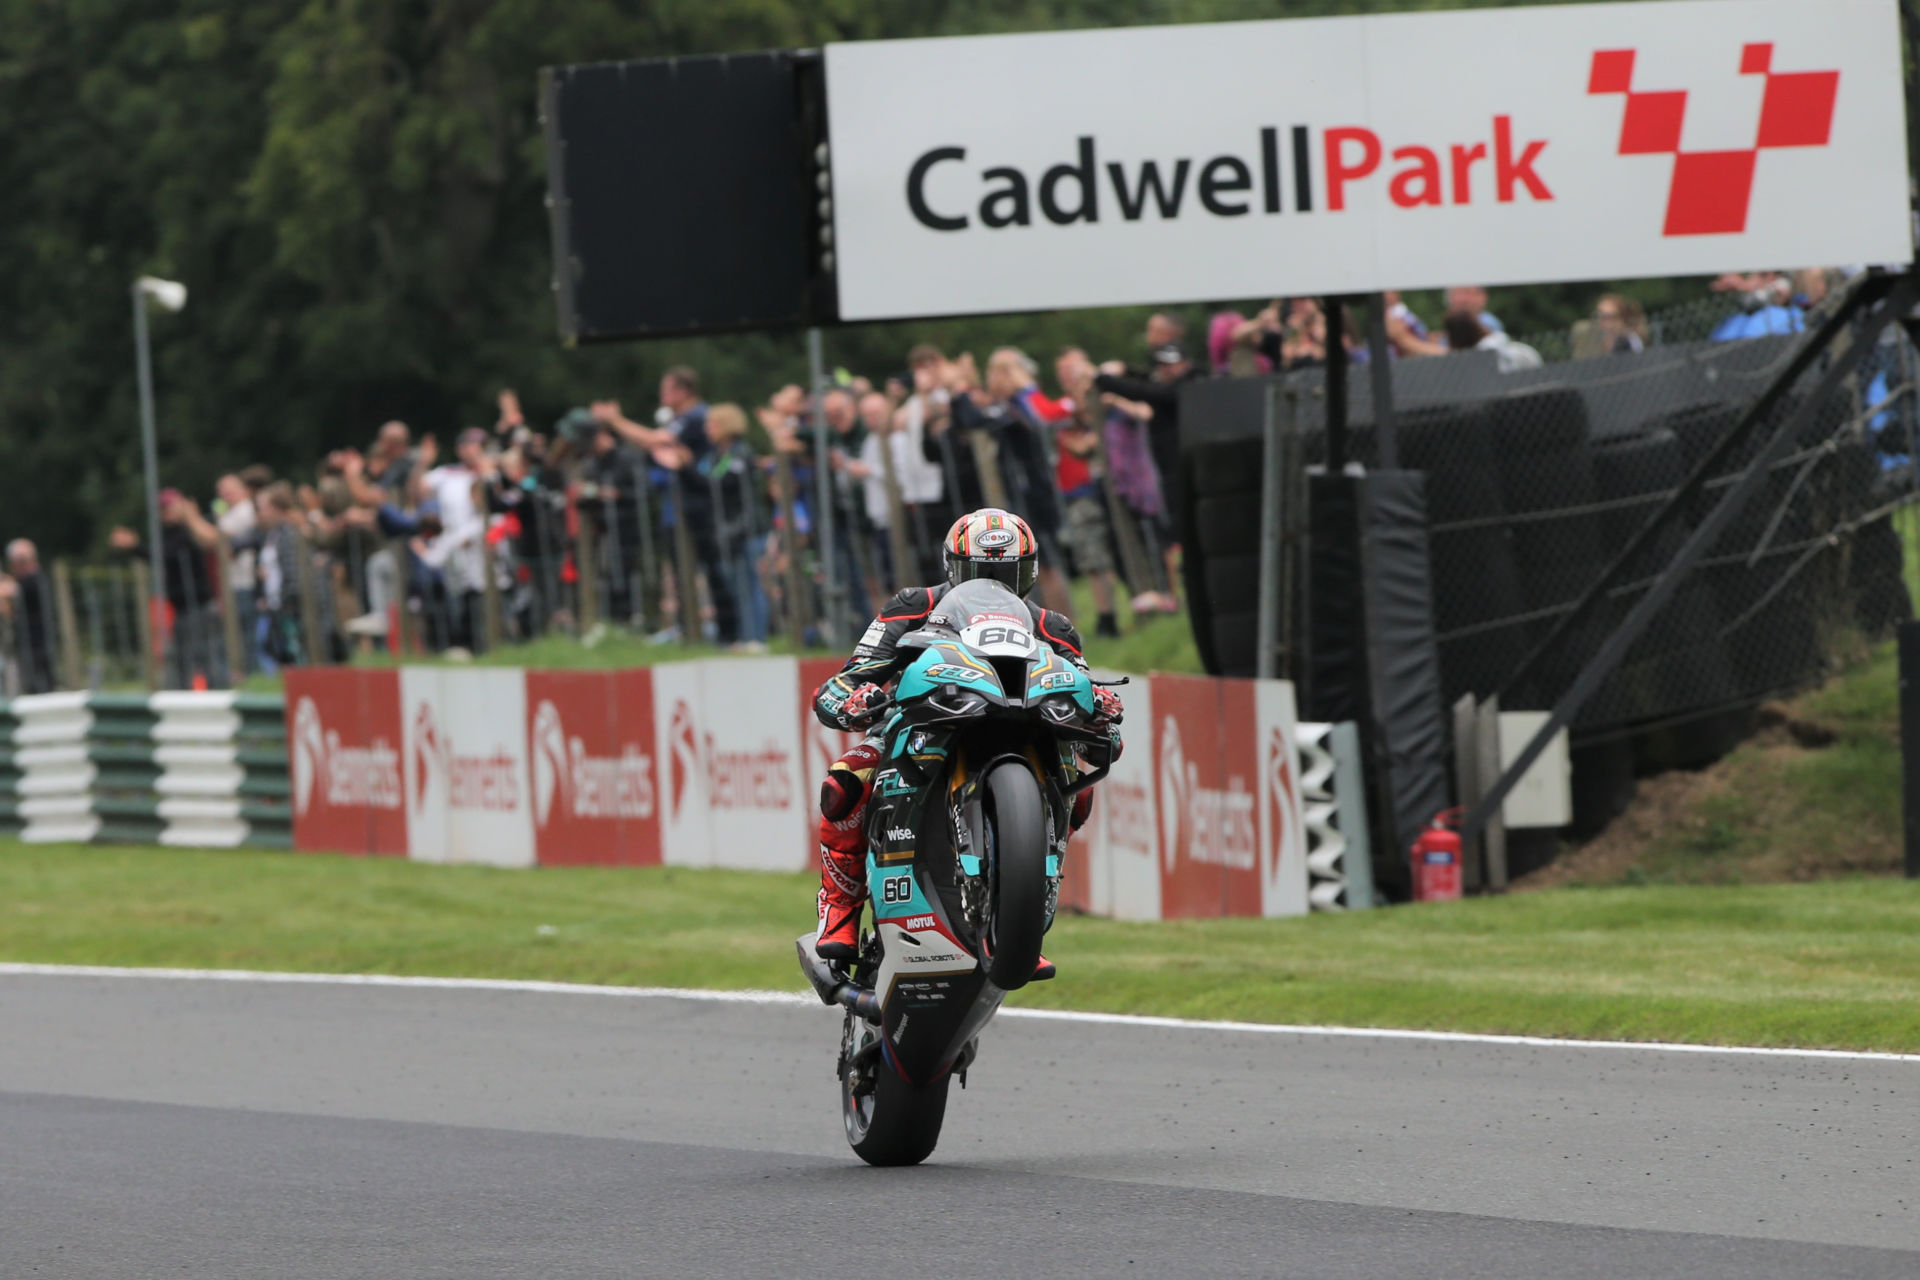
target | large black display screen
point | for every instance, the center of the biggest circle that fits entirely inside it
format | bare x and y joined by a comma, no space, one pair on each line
684,195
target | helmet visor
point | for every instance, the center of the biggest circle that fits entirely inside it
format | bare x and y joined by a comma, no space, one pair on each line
1005,572
1018,574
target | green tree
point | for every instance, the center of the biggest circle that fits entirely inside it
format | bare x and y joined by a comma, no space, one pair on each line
353,192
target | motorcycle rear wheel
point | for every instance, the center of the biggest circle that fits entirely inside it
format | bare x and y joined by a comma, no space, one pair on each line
897,1123
1016,815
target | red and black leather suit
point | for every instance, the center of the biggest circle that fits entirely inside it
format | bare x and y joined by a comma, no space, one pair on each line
877,660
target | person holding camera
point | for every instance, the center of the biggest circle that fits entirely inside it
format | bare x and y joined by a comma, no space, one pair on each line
196,651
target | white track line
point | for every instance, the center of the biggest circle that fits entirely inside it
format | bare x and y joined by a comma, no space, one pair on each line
9,970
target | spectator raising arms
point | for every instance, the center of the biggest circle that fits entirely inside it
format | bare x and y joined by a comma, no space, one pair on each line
1161,394
195,652
1018,418
693,459
739,509
239,523
613,495
939,384
1081,473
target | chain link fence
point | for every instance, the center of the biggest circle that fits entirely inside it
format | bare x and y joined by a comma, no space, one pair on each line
1537,479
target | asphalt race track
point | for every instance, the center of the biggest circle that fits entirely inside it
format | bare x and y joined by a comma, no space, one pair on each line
160,1127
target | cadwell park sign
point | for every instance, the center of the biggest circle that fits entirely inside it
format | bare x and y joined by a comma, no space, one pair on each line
1347,155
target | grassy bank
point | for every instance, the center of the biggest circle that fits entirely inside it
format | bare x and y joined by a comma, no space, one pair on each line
1814,794
1832,964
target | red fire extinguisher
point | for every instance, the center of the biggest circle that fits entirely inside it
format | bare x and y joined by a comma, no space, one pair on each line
1436,859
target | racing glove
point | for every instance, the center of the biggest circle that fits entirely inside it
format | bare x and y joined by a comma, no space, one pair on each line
1108,712
862,706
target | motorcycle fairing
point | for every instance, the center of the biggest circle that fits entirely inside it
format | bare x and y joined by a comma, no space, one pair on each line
1049,674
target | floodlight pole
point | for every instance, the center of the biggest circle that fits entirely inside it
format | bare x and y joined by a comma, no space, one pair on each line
149,449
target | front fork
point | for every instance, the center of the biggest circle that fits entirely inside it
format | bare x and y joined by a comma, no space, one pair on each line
899,811
975,856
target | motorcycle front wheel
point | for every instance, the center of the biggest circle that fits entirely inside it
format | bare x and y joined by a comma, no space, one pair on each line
1016,819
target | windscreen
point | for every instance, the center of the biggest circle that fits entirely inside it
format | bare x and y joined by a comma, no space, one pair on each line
983,597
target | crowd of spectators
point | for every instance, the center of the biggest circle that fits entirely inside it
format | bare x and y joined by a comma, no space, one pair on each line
698,521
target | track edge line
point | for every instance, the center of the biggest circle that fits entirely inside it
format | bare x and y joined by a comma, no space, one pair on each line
758,996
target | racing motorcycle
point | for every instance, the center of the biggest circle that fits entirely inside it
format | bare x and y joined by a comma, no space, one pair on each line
988,738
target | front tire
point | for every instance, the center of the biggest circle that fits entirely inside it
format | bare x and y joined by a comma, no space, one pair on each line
1016,819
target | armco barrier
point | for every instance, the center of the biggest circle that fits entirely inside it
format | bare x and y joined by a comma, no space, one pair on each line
197,747
716,763
56,777
198,769
260,749
126,792
10,820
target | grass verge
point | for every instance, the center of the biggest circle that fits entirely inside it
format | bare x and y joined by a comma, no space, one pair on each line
1831,965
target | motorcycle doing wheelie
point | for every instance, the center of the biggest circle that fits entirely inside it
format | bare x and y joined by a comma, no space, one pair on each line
982,754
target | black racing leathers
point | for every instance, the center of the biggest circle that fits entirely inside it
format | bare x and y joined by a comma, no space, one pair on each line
877,658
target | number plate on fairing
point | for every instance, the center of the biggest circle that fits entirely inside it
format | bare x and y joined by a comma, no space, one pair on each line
999,635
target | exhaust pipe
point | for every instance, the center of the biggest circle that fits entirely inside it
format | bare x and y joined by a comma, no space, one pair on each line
861,1000
831,989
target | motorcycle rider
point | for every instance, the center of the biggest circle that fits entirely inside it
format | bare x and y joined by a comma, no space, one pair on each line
988,543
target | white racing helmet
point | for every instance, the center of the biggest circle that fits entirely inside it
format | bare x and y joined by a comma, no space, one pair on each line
991,543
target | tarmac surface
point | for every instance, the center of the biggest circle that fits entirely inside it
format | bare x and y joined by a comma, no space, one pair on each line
155,1127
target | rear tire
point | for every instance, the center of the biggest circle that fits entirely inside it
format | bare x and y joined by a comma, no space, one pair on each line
902,1125
1016,816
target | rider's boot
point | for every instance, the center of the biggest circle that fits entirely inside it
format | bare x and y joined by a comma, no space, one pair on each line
843,853
839,910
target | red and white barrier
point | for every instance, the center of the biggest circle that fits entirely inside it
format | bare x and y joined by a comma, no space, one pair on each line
716,763
590,755
729,750
344,759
